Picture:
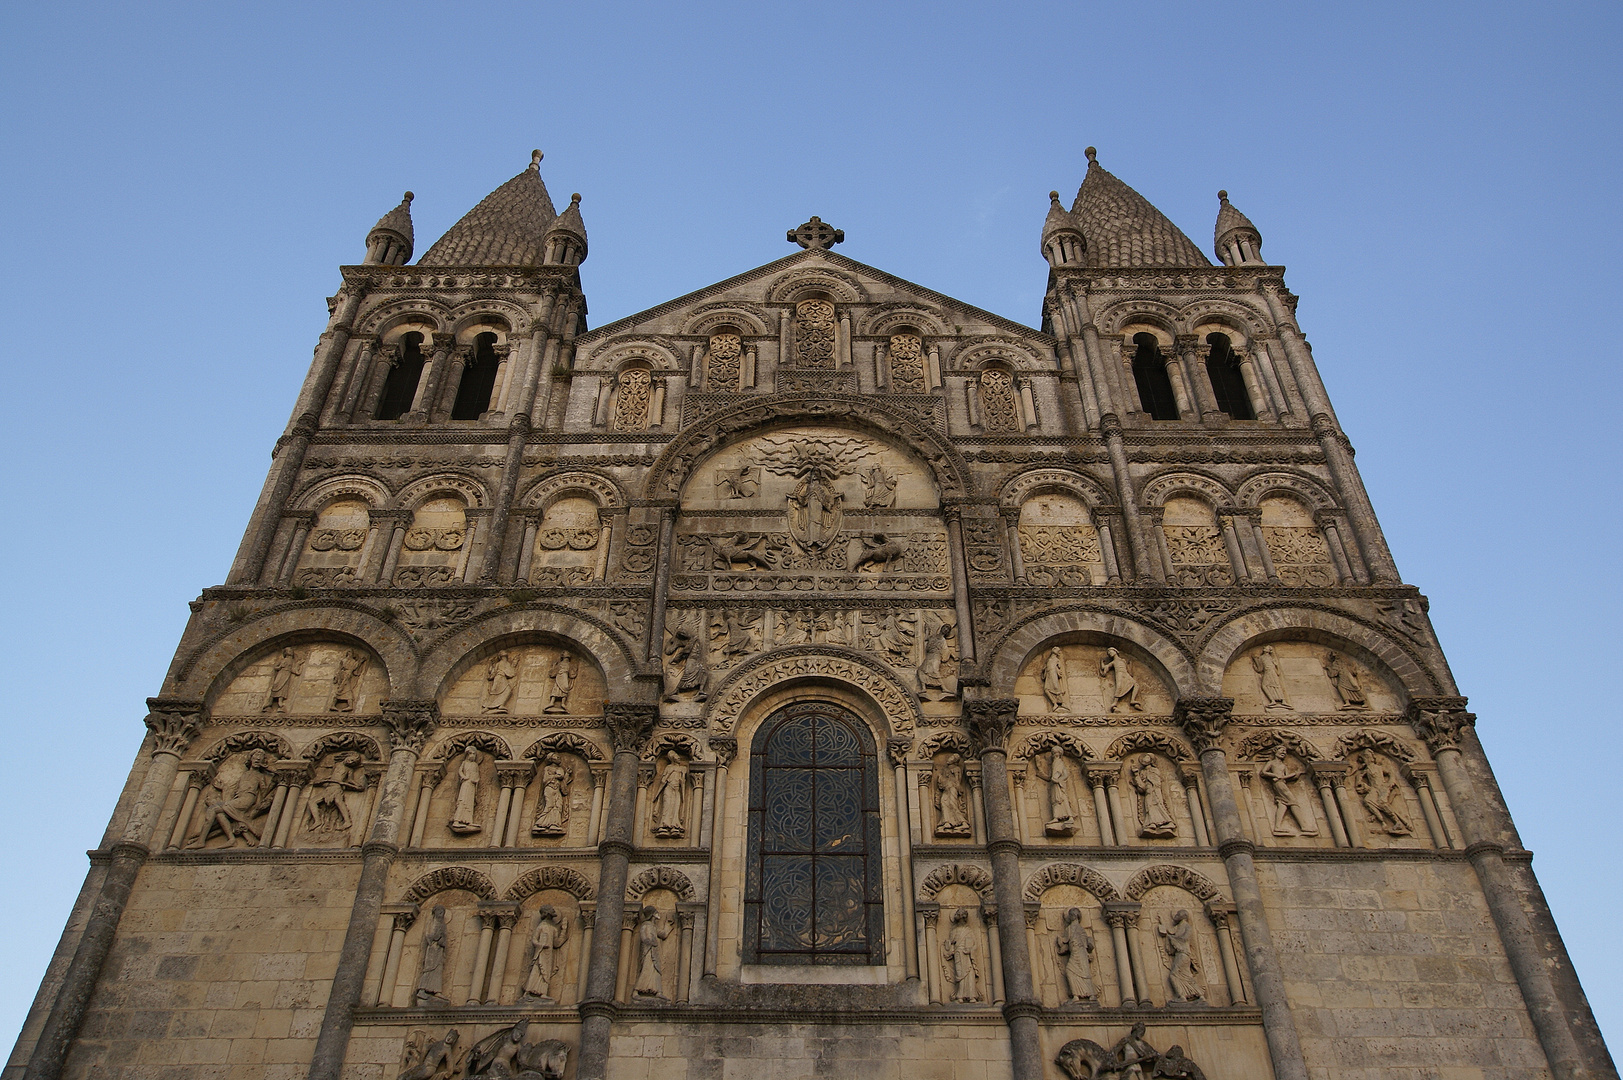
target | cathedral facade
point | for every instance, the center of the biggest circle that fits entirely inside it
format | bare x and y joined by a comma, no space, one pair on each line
811,676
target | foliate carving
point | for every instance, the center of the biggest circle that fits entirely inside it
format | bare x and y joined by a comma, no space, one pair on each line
633,395
1350,744
989,721
1139,741
410,723
1058,555
660,877
999,408
1050,740
1167,874
1187,617
1069,874
421,539
242,741
640,549
542,878
1203,720
815,332
1440,721
725,748
424,577
899,707
447,878
1199,556
1300,555
629,724
975,877
174,723
724,367
907,375
565,742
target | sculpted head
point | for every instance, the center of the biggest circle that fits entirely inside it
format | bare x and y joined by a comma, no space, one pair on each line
1073,915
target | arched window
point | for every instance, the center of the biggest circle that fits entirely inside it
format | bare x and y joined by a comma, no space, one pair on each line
1150,373
1228,386
478,380
812,893
401,385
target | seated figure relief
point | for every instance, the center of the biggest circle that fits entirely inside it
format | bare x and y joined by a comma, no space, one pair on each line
235,810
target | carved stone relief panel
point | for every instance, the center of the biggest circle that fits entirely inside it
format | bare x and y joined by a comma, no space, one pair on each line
1090,680
815,334
1388,804
306,680
724,360
1284,678
528,680
1000,408
1153,799
819,470
633,399
332,551
557,801
546,970
962,948
907,374
1187,967
1075,962
951,814
568,544
437,958
1059,544
1300,554
1194,543
1285,801
435,551
235,806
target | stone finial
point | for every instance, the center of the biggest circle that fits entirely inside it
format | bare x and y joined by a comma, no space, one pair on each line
816,233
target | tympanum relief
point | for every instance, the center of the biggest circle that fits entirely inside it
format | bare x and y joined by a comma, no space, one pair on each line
1288,679
1090,680
527,680
306,680
510,1053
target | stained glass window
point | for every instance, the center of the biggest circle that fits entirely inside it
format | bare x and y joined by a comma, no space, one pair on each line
812,893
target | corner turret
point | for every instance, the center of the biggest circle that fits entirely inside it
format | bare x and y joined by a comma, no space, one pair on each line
1238,243
389,243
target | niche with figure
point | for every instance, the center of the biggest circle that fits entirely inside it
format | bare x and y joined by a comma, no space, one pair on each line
655,966
236,803
306,679
1088,679
1285,793
1075,963
1052,795
333,551
556,810
462,803
1278,678
1299,552
527,680
1182,961
1059,544
344,769
1154,807
1386,809
435,550
544,965
435,967
1194,544
959,949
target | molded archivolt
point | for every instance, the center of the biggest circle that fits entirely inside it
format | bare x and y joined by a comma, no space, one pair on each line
1059,873
1167,874
797,285
543,878
1135,742
748,318
978,352
1203,486
886,318
1045,481
661,877
1258,487
617,352
747,684
1172,666
464,486
582,483
447,878
317,495
976,877
1335,629
533,623
401,310
208,670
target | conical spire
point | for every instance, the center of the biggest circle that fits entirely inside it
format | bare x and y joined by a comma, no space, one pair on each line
566,237
1236,240
1122,228
391,239
1062,242
506,228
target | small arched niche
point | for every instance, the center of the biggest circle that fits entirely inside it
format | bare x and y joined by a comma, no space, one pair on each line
435,551
568,543
527,679
1075,960
306,678
408,358
334,551
908,366
1284,676
1194,543
1299,552
1059,543
1174,928
1091,675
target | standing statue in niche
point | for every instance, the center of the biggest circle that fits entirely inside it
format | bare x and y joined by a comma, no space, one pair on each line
958,961
1183,974
1382,797
1269,680
685,671
327,811
951,798
346,681
668,796
1056,686
439,1060
499,676
467,794
552,816
1056,771
233,813
560,680
431,975
1120,685
878,488
938,672
1344,681
287,666
651,931
1153,818
1288,801
546,944
1075,944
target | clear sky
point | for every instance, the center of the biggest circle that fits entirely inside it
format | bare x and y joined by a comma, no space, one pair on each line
178,184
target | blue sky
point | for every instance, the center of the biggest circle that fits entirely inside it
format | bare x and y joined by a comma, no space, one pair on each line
180,182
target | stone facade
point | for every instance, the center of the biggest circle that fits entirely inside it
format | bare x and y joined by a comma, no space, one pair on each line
811,676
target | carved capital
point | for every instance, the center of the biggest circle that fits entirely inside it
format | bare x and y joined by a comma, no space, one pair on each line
410,723
898,749
725,747
1110,426
1188,342
1220,913
1323,425
519,425
1203,719
989,914
443,341
1102,774
630,724
930,913
1122,914
402,916
1439,721
293,774
990,720
174,723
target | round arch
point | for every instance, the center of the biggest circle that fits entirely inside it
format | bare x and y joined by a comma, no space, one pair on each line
464,485
748,318
546,490
421,310
207,671
1042,481
533,623
372,491
1259,486
445,879
799,284
1323,625
754,688
1037,632
1059,873
1203,486
542,878
1167,874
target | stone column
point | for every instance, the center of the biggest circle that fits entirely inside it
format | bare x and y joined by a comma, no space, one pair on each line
684,954
302,524
1203,720
1231,541
397,522
629,725
1191,352
295,778
931,914
654,647
990,721
588,919
291,448
401,920
409,725
725,747
1419,777
1098,776
1129,912
384,358
173,724
1022,815
960,584
518,431
1326,781
1220,914
1189,775
977,811
1326,521
1011,538
1118,945
199,779
1260,403
1187,409
1125,832
341,407
898,750
1110,426
1444,725
481,957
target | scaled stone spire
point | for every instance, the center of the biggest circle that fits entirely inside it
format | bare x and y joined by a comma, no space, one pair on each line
507,228
1236,240
1062,242
390,241
1123,229
566,237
